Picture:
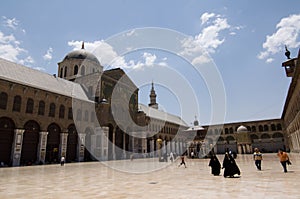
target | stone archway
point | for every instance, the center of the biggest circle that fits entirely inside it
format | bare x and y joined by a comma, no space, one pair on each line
53,141
72,143
30,143
7,127
88,153
110,141
119,141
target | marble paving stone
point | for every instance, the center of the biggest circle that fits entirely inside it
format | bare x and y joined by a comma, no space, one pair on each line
148,178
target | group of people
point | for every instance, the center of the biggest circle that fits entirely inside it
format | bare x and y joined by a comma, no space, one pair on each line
229,165
231,169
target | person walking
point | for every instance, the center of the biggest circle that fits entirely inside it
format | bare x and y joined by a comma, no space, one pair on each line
257,157
62,161
192,154
230,167
182,161
284,159
215,165
171,156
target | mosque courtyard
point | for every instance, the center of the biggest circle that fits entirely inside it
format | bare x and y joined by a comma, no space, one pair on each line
148,178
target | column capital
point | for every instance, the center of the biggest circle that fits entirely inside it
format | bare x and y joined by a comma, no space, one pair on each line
19,131
43,132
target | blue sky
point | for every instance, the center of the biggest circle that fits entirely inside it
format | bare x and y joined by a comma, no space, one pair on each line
245,41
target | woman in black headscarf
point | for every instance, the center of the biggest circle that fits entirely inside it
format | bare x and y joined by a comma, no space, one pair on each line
215,165
230,167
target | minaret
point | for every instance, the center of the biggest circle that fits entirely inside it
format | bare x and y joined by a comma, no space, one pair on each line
196,122
152,95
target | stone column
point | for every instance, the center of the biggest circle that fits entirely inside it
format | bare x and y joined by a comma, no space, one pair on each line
80,147
17,147
173,146
180,147
239,149
152,148
94,149
168,147
132,143
177,148
164,147
124,145
42,146
104,138
114,144
63,144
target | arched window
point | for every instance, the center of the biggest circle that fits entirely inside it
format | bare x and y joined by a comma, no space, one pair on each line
277,135
266,128
66,70
75,70
253,137
70,114
29,105
253,128
226,130
249,128
52,110
273,127
61,72
17,103
261,128
92,117
3,100
82,70
41,110
61,111
279,127
229,139
78,116
230,130
86,115
265,136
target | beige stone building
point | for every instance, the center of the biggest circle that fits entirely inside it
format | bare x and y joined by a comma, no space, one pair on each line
81,113
84,113
239,137
291,110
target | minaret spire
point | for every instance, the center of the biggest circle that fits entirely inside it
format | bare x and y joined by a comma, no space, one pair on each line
82,45
152,95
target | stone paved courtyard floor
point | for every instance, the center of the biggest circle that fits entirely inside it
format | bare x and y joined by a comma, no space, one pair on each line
148,178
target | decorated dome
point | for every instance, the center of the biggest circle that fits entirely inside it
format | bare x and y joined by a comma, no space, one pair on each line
242,129
81,54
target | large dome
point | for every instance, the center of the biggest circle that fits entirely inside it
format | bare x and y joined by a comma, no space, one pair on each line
82,54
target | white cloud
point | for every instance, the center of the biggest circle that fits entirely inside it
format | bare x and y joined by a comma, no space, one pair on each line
11,23
48,55
205,17
27,60
10,49
208,39
108,57
39,68
269,60
288,30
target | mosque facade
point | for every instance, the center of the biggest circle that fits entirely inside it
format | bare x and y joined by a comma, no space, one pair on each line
85,113
73,114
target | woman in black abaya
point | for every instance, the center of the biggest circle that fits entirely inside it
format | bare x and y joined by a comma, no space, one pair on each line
230,167
215,165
